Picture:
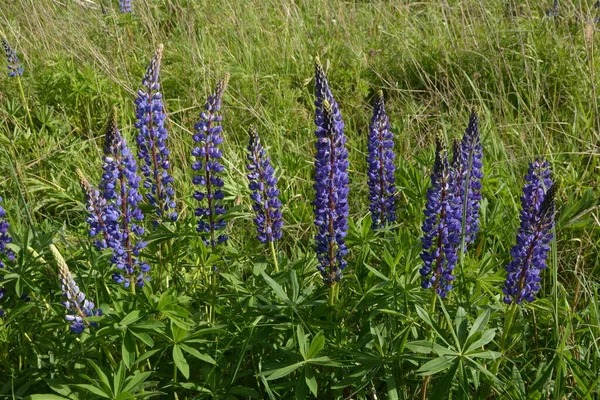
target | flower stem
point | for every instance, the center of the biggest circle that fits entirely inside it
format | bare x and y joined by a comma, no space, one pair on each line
24,99
274,253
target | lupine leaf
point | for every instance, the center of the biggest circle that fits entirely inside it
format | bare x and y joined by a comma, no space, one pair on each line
180,361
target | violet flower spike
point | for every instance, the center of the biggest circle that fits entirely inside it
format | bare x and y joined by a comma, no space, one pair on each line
263,184
95,205
467,166
152,151
14,65
331,182
125,6
78,307
123,217
381,168
534,236
441,228
207,153
5,237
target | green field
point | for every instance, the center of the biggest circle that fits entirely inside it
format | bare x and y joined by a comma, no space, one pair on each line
246,331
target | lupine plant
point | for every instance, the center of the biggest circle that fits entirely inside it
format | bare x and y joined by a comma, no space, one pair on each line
151,141
207,167
535,233
381,167
441,228
14,65
467,166
120,183
331,183
78,307
263,184
125,6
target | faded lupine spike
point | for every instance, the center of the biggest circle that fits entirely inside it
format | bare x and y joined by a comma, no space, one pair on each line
14,65
78,307
534,236
381,168
207,166
123,216
467,165
151,141
441,228
263,184
331,182
95,204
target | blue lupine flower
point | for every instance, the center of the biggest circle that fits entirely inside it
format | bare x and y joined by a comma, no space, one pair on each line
14,65
467,166
381,168
264,191
331,182
95,204
151,139
78,307
123,217
535,233
207,154
125,6
4,237
441,228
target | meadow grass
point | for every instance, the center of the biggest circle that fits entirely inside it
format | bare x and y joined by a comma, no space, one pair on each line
532,79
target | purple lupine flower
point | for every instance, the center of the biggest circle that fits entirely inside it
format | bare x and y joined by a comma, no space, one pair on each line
331,182
78,307
264,191
125,6
207,166
152,151
467,165
95,204
535,233
14,65
123,217
441,228
381,168
4,237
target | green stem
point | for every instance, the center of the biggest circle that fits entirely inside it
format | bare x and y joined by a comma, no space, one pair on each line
333,291
508,323
274,253
24,100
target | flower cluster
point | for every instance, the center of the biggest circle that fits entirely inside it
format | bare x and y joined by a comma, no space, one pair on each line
535,233
152,151
331,182
78,307
122,215
14,65
4,237
207,166
441,228
95,204
125,6
467,165
264,191
381,168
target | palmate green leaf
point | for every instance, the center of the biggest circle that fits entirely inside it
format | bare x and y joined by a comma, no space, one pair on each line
144,337
277,288
104,381
460,322
444,384
425,317
302,342
311,380
133,382
128,349
480,323
425,347
93,389
486,354
181,362
436,365
283,371
197,354
316,345
486,337
130,318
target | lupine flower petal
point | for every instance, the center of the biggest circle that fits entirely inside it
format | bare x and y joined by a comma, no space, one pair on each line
14,65
263,184
331,182
152,151
535,233
381,168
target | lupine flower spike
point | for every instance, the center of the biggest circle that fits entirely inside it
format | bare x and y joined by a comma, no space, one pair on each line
4,251
441,228
467,166
95,204
331,182
263,185
14,65
381,168
125,6
152,151
120,184
78,307
535,233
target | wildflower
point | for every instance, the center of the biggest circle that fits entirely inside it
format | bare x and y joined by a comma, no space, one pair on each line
125,6
535,233
96,207
122,214
331,182
78,307
264,191
467,166
152,151
14,65
441,228
207,154
4,237
381,168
